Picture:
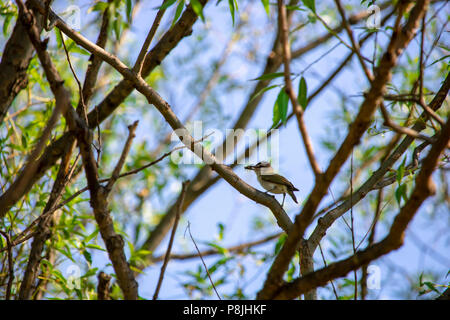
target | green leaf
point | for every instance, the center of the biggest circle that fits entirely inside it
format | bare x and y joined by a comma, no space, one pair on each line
283,101
58,39
310,4
89,273
440,59
279,243
77,49
166,4
129,7
92,235
430,286
95,246
6,24
401,171
198,9
221,230
260,92
99,6
24,141
298,8
116,26
269,76
280,108
303,93
400,193
178,11
219,263
219,249
233,7
275,115
265,3
87,256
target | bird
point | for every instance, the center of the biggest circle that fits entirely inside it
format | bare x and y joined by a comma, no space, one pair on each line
272,182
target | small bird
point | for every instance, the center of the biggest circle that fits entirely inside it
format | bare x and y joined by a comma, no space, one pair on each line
272,182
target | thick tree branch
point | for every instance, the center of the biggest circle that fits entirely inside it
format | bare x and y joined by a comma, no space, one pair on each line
424,187
284,30
114,242
16,58
362,121
203,180
169,41
166,111
374,181
103,286
43,229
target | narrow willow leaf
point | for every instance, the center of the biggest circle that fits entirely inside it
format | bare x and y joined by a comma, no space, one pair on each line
6,23
266,6
99,6
283,101
400,193
198,9
269,76
280,108
310,4
178,12
260,92
401,171
167,4
303,93
232,9
129,8
275,115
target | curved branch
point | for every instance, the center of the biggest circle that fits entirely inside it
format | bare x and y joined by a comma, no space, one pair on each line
398,43
424,187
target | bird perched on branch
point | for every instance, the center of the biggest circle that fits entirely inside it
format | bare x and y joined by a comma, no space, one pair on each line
272,182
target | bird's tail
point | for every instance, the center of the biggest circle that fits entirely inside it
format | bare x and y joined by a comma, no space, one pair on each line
291,193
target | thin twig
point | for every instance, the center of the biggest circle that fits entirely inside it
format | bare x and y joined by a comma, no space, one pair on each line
284,30
25,235
143,53
325,264
172,237
80,89
397,128
237,248
203,261
352,226
30,168
123,156
355,44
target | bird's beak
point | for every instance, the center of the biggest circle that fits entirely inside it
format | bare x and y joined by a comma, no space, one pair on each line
250,167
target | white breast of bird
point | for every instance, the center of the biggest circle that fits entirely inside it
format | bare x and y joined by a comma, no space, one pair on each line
272,187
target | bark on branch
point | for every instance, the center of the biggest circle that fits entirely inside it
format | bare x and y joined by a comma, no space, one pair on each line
398,43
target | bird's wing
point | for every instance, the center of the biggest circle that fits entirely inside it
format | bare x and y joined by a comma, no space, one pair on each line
278,179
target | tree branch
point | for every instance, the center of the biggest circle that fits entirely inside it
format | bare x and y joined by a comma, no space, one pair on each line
16,58
362,121
284,30
172,237
424,187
